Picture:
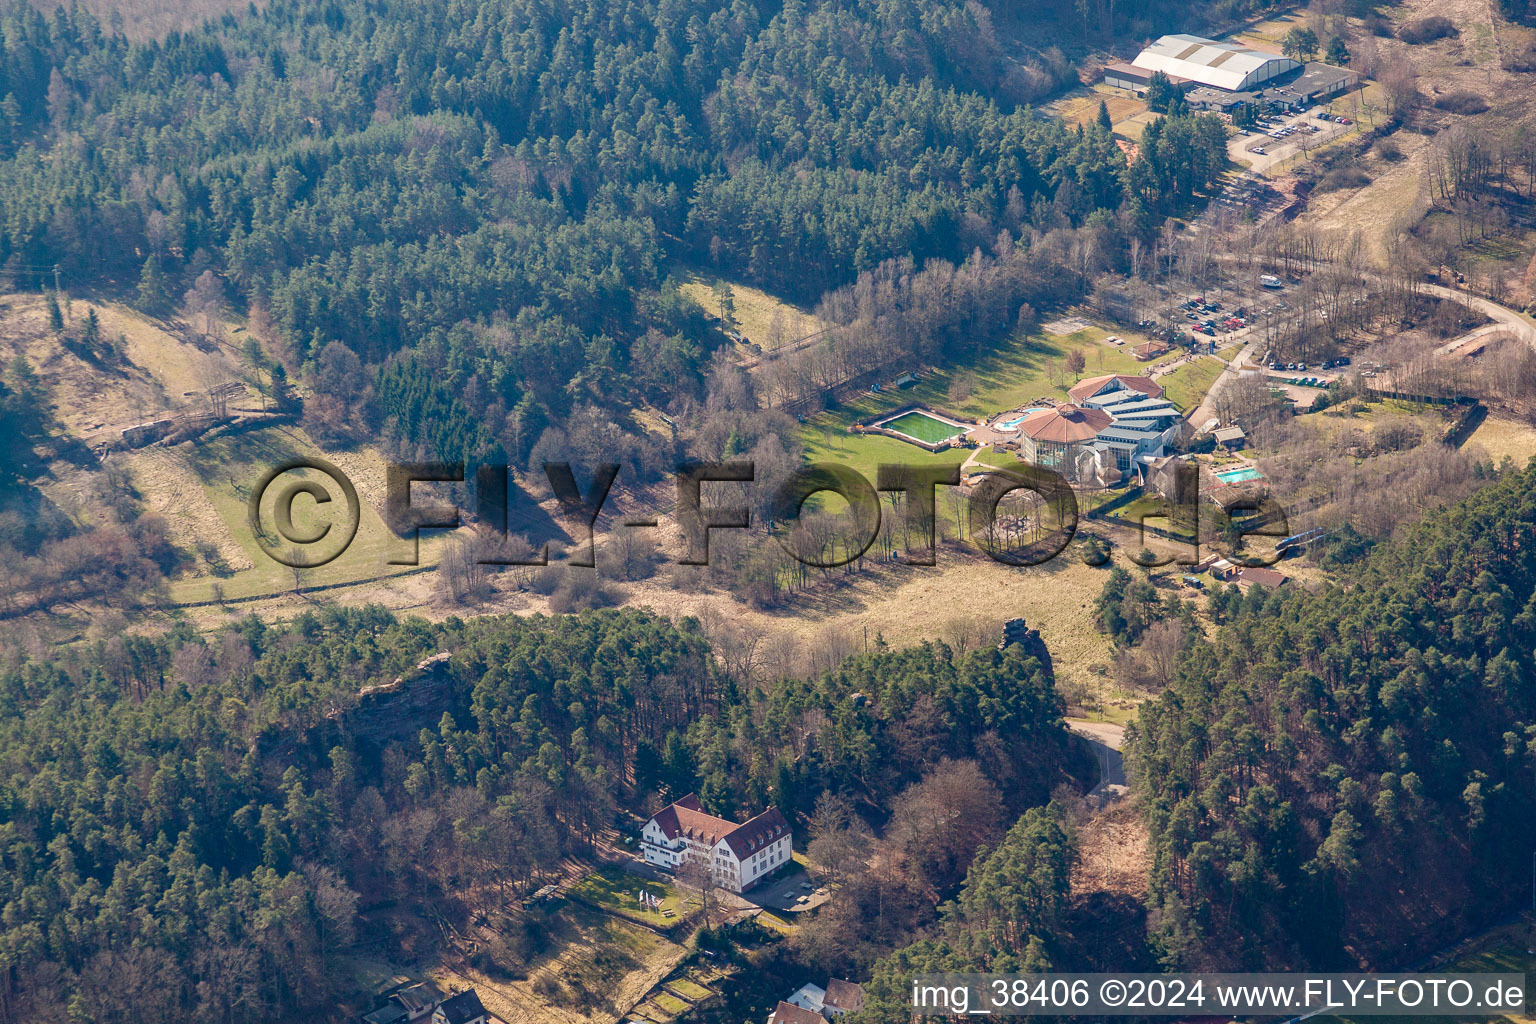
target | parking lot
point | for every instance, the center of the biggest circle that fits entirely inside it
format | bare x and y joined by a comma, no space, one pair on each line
1274,140
1208,320
792,893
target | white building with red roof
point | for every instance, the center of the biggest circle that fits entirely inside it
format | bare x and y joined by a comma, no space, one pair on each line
738,855
1113,423
1085,390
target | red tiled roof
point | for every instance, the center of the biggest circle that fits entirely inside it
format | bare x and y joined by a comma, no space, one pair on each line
1090,386
1066,424
789,1013
687,818
757,833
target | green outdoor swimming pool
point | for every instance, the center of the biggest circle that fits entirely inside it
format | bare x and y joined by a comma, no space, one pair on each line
925,428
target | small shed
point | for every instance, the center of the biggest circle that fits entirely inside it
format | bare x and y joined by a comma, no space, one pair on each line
1231,438
1256,575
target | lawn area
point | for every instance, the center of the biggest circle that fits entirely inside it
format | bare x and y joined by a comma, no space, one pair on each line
688,989
1153,511
864,452
1186,386
618,892
993,457
1015,372
1266,34
671,1004
1083,107
769,919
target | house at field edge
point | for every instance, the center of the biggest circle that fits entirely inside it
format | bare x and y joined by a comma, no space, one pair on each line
1247,576
406,1005
463,1008
839,997
842,997
737,855
418,1000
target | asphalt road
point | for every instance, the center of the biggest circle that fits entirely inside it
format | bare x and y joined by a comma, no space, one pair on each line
1206,408
1104,739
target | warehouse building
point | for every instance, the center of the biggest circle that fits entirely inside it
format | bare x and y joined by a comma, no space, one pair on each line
1198,61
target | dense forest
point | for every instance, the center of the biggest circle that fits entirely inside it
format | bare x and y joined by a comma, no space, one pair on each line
196,826
482,203
1324,749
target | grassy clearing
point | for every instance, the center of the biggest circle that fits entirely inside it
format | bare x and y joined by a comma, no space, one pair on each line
1186,386
1133,127
993,457
592,966
1266,34
755,310
1083,108
227,468
1505,438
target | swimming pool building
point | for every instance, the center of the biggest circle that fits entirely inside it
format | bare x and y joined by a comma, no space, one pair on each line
1113,422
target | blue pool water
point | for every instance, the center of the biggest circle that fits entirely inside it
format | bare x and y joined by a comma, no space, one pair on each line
1234,476
1013,424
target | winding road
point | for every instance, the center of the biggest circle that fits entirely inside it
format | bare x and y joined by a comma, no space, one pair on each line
1504,320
